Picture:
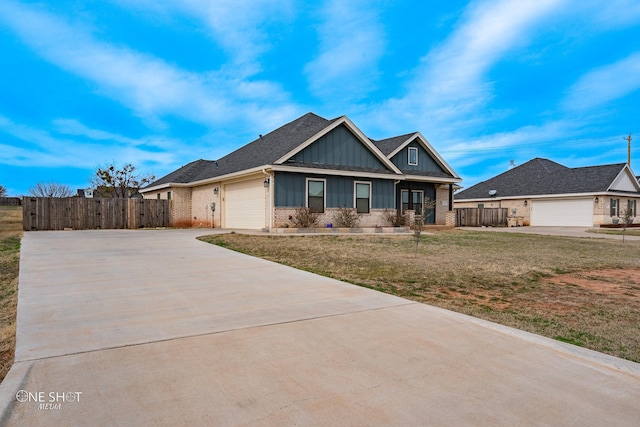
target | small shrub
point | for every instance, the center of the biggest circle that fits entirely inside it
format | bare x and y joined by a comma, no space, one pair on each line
392,217
304,218
345,217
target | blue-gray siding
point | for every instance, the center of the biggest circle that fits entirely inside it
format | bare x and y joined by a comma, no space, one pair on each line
290,190
426,163
339,147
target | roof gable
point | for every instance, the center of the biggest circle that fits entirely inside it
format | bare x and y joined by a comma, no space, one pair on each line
625,181
396,149
339,147
357,133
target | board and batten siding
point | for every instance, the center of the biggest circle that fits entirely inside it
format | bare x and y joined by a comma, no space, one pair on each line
426,163
290,190
339,147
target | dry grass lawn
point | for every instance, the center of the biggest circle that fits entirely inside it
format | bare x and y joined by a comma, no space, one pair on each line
10,235
581,291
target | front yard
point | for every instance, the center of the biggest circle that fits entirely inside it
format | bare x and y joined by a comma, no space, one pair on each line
10,235
582,291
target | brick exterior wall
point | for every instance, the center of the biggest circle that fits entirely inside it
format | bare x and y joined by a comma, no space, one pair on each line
179,204
376,218
201,199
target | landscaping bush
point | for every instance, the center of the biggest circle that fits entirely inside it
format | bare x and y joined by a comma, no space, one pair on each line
304,218
393,217
345,217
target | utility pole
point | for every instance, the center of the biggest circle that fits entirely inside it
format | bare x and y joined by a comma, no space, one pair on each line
628,138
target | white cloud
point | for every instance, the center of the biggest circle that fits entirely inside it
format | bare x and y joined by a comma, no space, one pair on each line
39,148
149,86
605,84
352,41
611,13
450,85
240,27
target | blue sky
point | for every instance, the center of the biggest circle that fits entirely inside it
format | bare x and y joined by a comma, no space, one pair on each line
159,84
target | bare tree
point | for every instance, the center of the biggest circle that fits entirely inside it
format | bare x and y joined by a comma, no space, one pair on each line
3,191
627,218
50,189
420,220
124,182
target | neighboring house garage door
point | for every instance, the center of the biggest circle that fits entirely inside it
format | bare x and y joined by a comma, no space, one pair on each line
568,213
245,205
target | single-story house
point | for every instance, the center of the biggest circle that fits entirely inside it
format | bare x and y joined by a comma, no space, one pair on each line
311,162
546,193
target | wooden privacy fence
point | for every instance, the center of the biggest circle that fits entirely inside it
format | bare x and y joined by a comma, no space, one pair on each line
46,213
478,217
9,201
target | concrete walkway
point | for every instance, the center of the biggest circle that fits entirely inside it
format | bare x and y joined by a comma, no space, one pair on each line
125,328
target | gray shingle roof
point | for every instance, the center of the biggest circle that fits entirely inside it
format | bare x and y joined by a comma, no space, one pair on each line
388,146
268,148
541,176
186,173
262,151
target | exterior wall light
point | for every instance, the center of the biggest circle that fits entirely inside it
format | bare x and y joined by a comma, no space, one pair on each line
266,183
526,203
215,191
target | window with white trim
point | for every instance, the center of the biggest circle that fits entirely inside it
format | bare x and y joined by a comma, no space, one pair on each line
631,205
614,207
413,156
363,197
315,195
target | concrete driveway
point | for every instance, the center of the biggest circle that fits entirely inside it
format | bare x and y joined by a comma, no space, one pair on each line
126,328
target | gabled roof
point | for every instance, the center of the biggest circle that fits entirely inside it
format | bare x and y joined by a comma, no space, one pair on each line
391,146
264,150
543,177
275,147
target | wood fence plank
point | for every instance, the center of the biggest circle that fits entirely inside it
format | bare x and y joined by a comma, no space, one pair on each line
41,213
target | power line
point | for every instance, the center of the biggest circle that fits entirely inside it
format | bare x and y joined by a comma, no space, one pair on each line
586,141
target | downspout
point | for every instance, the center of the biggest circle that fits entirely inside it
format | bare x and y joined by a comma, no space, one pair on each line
395,196
450,197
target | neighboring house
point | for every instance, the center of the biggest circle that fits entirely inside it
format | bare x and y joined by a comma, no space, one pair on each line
316,163
545,193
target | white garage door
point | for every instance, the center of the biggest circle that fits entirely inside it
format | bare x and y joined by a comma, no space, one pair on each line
566,213
245,205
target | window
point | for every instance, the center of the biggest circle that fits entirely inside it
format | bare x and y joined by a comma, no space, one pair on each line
158,196
363,197
168,195
631,205
315,195
413,156
416,201
614,206
417,196
405,200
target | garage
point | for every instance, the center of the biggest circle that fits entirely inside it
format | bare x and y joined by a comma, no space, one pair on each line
245,205
562,213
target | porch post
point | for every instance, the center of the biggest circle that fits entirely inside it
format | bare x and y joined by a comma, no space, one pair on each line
450,197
